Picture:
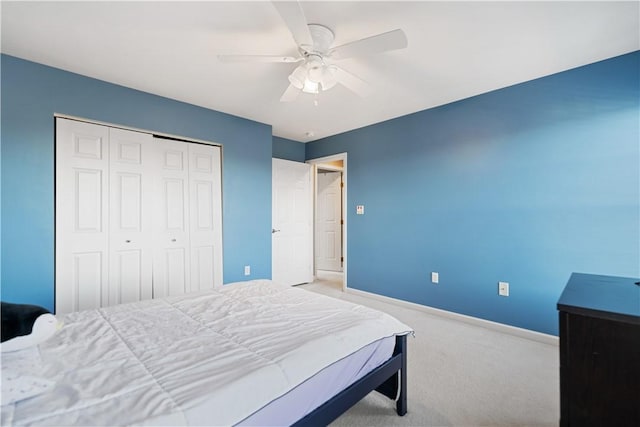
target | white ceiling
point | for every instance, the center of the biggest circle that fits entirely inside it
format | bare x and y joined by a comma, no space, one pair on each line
456,50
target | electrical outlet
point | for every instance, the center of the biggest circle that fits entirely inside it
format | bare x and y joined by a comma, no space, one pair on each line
503,289
247,270
435,277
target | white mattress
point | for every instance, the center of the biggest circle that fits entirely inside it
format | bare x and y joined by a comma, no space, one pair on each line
211,358
324,385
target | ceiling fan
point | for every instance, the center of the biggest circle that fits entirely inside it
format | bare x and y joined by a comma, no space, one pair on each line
317,71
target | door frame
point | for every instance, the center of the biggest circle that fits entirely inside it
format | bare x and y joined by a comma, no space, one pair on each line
314,163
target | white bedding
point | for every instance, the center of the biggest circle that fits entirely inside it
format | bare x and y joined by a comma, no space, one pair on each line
231,350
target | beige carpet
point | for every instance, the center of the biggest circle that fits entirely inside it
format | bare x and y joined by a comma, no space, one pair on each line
461,375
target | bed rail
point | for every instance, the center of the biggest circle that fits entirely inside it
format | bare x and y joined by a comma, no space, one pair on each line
390,379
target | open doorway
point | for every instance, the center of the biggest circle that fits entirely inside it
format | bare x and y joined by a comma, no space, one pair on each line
330,228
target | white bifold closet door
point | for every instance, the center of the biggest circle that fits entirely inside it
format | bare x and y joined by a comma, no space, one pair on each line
171,219
130,237
137,217
205,190
82,216
188,219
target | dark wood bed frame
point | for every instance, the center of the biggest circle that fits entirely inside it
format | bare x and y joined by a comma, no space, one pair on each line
385,379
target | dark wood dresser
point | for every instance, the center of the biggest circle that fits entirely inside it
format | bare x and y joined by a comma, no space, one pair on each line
600,351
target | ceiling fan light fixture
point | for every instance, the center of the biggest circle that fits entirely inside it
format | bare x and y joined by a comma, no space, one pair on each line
328,78
310,86
298,77
315,74
315,68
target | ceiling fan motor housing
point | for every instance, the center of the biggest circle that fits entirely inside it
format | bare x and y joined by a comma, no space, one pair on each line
322,39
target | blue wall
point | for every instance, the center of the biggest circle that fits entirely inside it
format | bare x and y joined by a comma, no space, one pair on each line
32,93
288,150
525,184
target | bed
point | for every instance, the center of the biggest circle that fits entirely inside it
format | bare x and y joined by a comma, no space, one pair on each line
250,353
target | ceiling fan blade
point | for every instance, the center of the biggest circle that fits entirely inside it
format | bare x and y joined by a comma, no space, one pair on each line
290,94
258,58
351,82
293,15
391,40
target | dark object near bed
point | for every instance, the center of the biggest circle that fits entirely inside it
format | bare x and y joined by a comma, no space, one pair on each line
600,351
18,319
385,379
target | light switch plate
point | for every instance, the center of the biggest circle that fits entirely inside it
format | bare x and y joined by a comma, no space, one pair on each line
503,289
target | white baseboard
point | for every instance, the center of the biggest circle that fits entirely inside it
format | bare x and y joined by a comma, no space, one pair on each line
499,327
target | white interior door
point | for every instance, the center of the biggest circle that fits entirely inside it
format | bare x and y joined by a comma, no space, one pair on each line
172,246
206,216
329,221
82,228
130,207
292,204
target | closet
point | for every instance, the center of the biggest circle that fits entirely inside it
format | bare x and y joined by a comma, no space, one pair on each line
138,216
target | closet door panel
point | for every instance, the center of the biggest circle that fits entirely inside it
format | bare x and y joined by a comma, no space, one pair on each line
82,228
203,271
88,200
206,216
88,282
173,194
171,275
176,271
128,270
131,206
